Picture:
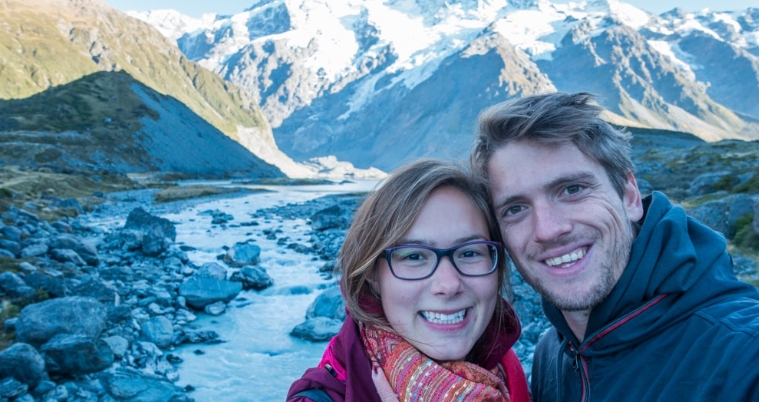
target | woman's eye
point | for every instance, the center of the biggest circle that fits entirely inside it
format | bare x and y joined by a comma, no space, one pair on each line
414,257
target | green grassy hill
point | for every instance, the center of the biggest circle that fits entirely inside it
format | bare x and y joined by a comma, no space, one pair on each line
48,43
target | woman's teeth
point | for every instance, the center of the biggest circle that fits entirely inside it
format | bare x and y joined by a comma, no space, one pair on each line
439,318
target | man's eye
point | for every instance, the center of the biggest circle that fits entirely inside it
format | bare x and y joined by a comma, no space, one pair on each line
513,210
573,189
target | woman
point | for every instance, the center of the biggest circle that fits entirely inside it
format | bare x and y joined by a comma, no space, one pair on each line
422,274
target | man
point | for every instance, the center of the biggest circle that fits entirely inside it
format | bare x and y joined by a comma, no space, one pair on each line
643,299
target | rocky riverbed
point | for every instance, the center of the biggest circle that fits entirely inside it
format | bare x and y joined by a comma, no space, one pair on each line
93,314
96,315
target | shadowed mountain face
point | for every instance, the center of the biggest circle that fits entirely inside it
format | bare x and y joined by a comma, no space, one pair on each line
105,88
109,121
381,82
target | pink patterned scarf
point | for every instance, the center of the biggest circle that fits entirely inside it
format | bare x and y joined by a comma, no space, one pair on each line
416,377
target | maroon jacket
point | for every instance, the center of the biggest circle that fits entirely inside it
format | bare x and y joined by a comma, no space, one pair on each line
351,379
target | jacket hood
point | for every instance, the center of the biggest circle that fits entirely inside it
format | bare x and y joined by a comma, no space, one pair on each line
677,265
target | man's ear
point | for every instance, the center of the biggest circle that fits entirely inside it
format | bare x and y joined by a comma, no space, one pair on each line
632,199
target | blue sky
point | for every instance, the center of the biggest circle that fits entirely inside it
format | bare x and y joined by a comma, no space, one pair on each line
197,8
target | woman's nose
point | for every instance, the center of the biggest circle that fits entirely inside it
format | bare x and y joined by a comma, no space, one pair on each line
446,280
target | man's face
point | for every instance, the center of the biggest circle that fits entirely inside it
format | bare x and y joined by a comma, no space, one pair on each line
565,226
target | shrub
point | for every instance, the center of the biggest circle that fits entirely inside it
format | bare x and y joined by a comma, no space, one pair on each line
745,236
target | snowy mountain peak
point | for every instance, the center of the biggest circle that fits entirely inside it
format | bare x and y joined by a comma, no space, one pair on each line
347,77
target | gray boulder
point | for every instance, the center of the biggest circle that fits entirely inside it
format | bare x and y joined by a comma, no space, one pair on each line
328,218
212,270
13,247
34,250
39,322
317,329
11,388
50,280
23,362
242,254
328,304
142,221
76,354
95,288
119,345
159,331
217,308
155,242
705,183
14,286
254,278
721,215
67,255
86,251
11,233
200,292
130,386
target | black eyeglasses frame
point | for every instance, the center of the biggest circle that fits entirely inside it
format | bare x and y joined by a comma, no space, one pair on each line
440,253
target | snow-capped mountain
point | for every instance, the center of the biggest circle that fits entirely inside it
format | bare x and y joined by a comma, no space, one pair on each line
381,82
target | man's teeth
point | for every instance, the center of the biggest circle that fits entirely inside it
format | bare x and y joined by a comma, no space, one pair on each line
438,318
566,258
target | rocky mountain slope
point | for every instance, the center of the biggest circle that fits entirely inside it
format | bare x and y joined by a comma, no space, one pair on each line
108,121
80,80
381,82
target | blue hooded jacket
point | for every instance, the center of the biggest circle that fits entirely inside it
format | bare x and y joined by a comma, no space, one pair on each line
678,326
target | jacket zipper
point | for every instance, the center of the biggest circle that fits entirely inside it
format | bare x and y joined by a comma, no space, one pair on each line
578,361
579,366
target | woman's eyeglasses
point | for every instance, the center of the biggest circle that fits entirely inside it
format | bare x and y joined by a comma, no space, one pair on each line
415,261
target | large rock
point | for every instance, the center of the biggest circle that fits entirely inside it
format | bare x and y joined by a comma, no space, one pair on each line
76,354
159,331
23,362
11,388
38,323
14,286
317,329
721,215
142,221
50,280
86,251
328,218
254,278
95,288
13,247
34,250
242,254
154,242
200,292
328,304
705,183
129,386
212,270
66,255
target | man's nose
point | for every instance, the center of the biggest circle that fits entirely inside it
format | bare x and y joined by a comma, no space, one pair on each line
549,222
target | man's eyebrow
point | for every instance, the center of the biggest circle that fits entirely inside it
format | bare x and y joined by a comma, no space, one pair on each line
582,176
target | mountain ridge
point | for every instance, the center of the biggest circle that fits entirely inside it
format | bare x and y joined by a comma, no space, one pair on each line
304,55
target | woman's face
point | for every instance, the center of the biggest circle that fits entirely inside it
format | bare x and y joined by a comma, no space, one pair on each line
444,315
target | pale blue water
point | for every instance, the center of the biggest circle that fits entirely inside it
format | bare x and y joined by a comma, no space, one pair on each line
259,359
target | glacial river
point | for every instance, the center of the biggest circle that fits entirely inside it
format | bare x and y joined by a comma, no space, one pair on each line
258,359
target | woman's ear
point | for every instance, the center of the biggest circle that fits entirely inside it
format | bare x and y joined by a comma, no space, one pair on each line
373,281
